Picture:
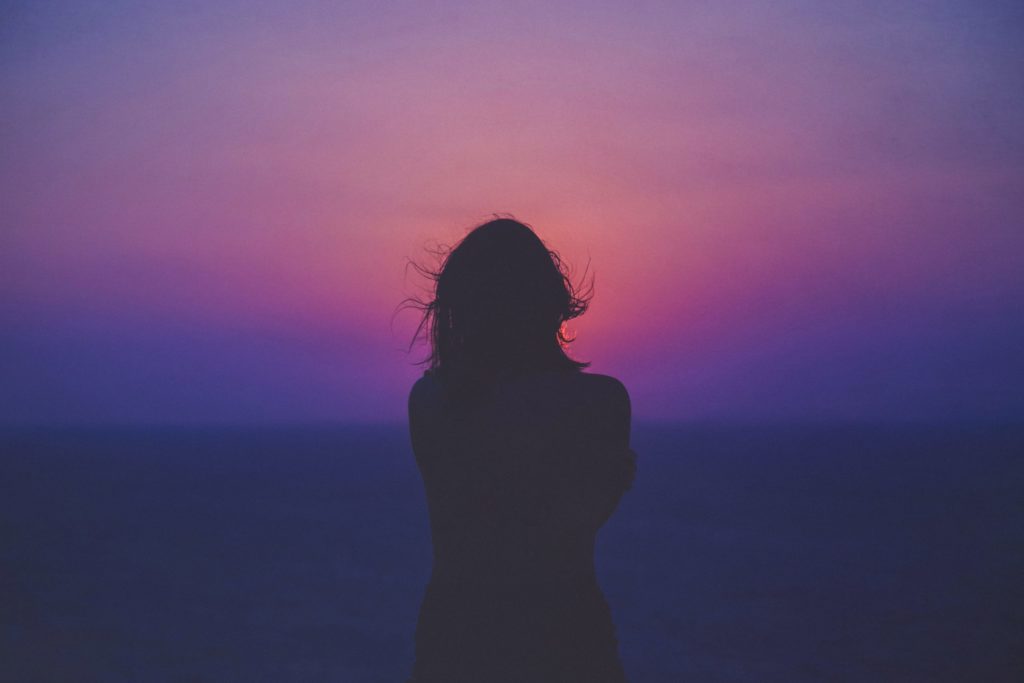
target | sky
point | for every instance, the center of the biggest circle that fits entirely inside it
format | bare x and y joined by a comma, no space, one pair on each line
793,210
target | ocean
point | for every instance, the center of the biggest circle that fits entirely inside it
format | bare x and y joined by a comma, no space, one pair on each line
754,554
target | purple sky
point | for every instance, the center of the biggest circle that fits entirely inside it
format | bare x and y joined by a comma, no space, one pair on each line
795,210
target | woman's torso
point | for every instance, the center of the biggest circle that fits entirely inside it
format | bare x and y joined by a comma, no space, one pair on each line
518,482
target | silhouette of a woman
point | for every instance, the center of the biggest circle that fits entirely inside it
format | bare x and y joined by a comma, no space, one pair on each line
524,457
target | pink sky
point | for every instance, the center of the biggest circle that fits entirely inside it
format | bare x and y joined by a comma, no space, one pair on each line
793,211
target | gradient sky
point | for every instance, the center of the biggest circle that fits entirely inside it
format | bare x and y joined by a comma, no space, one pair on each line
794,210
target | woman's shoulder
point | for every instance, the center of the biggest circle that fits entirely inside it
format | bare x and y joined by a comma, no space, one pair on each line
601,391
426,391
591,396
604,385
586,390
611,402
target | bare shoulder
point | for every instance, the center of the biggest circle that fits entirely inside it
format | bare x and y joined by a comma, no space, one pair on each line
603,405
603,410
425,394
425,401
605,390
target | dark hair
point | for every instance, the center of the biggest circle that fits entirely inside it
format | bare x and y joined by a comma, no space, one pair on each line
500,302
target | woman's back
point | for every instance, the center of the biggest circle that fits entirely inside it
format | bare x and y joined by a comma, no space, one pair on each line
518,480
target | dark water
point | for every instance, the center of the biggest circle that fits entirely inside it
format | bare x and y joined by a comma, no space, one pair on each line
849,553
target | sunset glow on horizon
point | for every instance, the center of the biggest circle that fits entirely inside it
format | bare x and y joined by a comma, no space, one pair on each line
792,210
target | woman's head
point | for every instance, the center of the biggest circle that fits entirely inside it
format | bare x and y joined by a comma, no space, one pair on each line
500,302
